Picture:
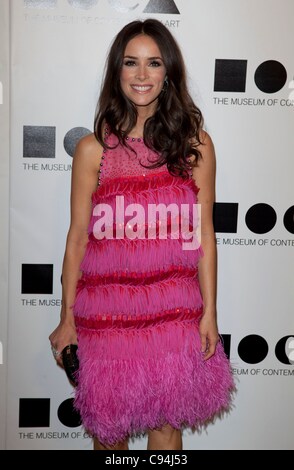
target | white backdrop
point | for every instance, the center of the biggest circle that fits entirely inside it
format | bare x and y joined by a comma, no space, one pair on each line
4,207
239,56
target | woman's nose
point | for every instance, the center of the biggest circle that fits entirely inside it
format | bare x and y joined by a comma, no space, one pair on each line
142,73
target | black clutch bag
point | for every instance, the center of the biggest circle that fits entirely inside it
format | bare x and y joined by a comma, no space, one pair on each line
71,362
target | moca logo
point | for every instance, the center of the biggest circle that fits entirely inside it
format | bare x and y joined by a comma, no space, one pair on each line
231,76
123,6
253,349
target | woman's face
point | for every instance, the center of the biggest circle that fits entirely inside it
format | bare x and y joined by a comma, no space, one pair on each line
143,73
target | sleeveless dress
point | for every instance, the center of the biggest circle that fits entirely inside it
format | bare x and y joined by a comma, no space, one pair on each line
138,306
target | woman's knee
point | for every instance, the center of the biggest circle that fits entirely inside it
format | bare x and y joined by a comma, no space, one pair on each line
168,430
124,445
165,436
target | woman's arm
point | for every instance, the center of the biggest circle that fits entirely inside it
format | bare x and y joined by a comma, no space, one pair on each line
84,181
204,176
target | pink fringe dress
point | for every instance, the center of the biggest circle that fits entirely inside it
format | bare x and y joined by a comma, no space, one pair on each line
137,311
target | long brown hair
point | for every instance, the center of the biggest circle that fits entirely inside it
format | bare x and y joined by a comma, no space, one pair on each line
173,130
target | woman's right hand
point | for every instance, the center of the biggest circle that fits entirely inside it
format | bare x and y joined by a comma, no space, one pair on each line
64,334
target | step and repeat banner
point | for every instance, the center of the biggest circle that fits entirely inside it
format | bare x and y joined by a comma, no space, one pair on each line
239,56
4,206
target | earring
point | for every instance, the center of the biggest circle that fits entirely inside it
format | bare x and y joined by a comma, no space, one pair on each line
165,84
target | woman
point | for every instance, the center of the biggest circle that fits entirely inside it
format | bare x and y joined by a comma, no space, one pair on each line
139,301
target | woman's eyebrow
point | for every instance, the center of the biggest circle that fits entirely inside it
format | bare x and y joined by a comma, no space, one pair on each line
136,58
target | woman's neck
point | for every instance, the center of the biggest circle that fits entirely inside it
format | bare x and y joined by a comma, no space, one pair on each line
144,112
138,129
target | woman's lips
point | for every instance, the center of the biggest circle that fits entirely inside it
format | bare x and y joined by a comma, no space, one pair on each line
141,88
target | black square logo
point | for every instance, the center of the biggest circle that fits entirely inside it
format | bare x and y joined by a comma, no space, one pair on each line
34,412
226,341
39,141
230,75
37,279
225,217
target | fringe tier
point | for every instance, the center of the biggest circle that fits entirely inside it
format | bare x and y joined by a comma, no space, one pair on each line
108,256
135,380
125,299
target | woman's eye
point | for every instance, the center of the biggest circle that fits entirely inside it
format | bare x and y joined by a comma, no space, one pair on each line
129,63
155,63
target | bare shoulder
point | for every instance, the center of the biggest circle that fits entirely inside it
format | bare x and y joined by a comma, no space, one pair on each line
204,171
206,147
88,151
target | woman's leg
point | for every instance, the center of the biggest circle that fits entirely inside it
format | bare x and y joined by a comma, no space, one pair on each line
166,438
119,446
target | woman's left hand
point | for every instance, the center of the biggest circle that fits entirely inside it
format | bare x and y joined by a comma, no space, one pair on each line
209,335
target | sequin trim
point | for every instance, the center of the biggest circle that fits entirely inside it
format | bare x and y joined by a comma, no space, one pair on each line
134,139
137,278
101,322
155,181
106,133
